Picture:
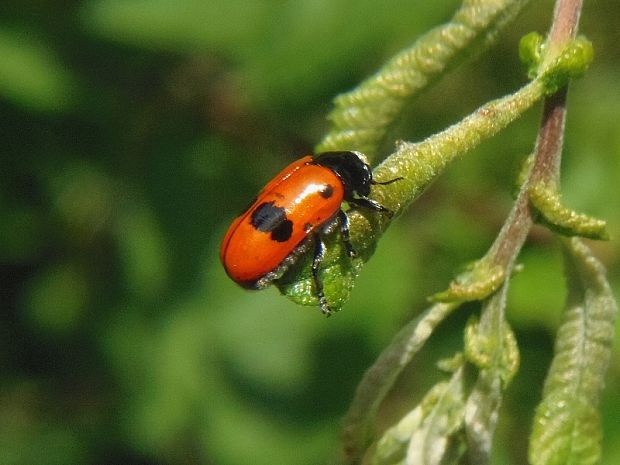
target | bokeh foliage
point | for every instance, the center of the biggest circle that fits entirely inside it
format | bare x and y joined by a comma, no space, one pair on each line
133,131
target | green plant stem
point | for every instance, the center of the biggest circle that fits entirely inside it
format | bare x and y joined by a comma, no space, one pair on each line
419,163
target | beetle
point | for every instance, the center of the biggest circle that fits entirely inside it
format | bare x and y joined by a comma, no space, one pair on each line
294,209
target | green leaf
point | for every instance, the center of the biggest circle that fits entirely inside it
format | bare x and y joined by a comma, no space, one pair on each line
363,117
380,378
490,345
563,220
481,413
572,62
567,427
479,281
426,435
481,350
531,52
556,67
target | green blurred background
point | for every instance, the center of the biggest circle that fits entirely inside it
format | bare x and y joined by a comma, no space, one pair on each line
132,131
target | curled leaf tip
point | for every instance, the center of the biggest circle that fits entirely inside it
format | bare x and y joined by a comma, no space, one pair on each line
476,283
482,348
450,365
547,201
572,62
531,52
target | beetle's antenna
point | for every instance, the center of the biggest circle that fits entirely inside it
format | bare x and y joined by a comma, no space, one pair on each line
383,183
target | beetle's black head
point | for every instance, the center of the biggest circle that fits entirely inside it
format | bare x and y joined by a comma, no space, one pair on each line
351,168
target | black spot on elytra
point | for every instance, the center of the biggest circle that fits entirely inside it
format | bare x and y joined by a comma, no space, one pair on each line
327,191
283,232
269,218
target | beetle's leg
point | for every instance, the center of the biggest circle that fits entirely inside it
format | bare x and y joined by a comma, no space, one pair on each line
319,254
344,232
371,205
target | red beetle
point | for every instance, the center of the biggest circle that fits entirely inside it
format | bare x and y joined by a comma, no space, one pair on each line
303,201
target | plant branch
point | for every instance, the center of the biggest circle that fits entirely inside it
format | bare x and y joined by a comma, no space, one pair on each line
482,407
548,153
418,164
564,27
550,139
